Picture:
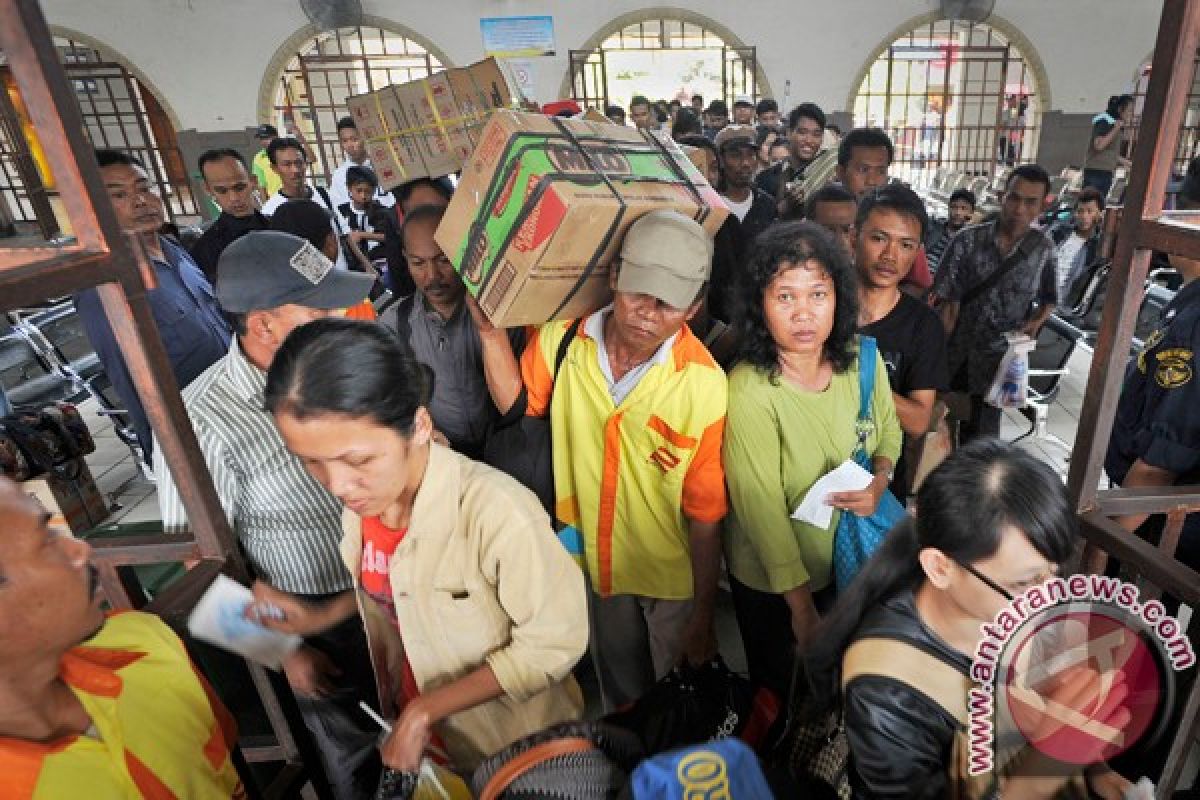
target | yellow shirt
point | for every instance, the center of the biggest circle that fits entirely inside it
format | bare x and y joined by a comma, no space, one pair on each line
269,181
629,476
161,733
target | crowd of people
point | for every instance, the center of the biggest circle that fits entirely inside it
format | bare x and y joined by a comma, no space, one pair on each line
689,419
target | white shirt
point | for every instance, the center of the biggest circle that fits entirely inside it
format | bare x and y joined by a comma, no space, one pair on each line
740,209
619,390
340,194
337,223
1067,252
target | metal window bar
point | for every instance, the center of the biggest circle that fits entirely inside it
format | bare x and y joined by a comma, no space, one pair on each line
110,100
940,92
315,84
589,69
1189,135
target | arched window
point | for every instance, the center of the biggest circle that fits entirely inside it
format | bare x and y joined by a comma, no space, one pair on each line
1189,135
952,93
663,59
119,112
312,90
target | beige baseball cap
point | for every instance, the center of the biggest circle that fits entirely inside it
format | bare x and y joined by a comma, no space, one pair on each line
666,255
736,134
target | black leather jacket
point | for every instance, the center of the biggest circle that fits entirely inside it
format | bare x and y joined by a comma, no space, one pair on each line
900,740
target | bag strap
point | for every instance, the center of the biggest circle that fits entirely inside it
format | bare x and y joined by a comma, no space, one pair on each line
517,412
1011,262
867,356
560,355
522,763
909,664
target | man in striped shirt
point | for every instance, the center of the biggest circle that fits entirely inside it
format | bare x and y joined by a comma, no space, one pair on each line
269,283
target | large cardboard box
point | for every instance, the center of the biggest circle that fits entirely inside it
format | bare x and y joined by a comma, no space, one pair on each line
74,503
543,205
428,128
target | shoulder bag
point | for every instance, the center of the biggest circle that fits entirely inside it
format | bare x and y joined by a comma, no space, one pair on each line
520,445
857,538
815,747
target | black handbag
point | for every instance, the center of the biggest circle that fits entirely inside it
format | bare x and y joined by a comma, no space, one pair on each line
46,440
694,704
520,445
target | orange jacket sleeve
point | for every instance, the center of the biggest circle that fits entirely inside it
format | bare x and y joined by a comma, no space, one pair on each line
704,496
535,374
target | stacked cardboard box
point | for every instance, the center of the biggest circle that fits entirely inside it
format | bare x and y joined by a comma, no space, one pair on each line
428,128
543,205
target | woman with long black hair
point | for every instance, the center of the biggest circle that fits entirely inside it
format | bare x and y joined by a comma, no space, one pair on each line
992,521
475,613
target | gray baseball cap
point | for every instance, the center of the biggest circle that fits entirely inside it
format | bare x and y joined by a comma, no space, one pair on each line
666,255
269,269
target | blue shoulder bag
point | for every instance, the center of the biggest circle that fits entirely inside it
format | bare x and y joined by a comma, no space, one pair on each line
857,538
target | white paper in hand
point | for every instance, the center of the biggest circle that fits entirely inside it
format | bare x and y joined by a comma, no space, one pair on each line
220,618
814,509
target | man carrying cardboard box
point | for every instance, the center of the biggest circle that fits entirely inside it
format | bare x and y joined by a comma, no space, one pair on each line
637,424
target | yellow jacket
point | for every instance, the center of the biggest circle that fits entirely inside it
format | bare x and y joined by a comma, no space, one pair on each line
161,732
629,477
479,578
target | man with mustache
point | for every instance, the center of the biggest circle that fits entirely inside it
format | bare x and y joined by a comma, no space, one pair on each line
93,706
439,328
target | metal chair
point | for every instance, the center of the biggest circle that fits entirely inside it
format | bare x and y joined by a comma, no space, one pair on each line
1056,343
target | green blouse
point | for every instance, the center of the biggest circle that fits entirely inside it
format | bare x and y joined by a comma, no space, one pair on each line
779,440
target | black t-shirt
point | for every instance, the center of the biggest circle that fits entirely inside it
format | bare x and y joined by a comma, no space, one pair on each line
913,345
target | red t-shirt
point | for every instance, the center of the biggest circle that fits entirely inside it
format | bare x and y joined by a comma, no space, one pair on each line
379,544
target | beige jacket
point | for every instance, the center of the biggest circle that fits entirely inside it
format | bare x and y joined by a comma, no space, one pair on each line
480,578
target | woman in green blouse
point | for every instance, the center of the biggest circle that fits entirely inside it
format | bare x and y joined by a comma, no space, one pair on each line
793,406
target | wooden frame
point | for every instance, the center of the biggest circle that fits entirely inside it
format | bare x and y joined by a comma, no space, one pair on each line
1143,227
101,255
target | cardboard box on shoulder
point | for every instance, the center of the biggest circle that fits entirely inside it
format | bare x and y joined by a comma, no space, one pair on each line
543,204
428,128
701,157
73,503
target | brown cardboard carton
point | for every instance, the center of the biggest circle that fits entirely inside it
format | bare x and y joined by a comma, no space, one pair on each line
701,157
543,205
428,128
592,115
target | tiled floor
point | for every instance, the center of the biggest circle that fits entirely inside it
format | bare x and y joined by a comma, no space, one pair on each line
1062,420
129,494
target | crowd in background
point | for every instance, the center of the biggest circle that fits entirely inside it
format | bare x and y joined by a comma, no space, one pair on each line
357,459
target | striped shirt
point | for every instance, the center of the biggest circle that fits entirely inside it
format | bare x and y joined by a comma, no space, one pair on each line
289,525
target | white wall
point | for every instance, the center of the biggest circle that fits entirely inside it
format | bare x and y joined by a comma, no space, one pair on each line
207,58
